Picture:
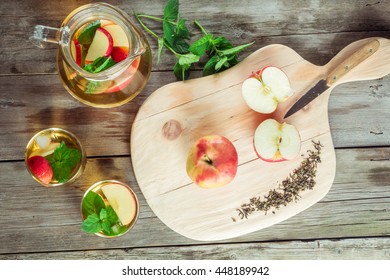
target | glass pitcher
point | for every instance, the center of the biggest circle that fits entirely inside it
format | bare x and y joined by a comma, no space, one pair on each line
106,81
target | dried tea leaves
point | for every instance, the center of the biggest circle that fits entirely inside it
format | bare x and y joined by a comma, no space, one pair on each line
301,179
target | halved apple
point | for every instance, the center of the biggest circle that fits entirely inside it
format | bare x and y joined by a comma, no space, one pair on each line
101,45
122,201
265,89
275,142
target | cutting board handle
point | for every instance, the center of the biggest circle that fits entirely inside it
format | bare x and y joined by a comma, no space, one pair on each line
366,59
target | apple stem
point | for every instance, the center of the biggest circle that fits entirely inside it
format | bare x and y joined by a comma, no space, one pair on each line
207,160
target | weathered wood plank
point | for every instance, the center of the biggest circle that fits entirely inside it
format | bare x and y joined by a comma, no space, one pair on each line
38,219
316,29
344,249
30,103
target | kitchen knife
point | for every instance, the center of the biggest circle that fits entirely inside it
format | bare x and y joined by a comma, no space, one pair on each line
343,68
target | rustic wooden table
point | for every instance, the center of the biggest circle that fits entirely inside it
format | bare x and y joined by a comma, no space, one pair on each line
351,222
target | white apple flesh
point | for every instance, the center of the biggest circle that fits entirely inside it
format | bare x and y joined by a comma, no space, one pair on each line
275,142
122,201
212,162
118,35
101,45
264,90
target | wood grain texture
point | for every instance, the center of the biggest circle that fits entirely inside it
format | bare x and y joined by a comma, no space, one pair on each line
18,94
48,220
214,105
345,249
315,29
350,222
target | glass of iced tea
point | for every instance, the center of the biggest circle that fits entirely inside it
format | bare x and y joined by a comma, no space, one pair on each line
109,209
54,157
103,59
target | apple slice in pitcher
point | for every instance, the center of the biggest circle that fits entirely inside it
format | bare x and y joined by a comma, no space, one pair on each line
101,45
118,35
75,49
128,75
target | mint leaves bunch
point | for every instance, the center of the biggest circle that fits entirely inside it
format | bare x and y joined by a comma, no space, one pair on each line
100,218
220,51
63,161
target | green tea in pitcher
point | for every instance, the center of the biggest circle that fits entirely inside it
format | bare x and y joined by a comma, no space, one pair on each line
100,44
103,59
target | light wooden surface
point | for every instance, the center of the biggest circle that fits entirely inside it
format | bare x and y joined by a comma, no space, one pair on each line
350,222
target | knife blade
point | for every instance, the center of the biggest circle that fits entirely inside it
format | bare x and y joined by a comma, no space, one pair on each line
343,68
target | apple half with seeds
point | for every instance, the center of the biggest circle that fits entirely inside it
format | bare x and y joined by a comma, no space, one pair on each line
212,161
276,141
265,89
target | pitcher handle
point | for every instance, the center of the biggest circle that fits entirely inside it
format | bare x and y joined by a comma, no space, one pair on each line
45,34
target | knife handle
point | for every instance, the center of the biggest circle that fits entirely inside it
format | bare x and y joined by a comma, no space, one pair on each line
351,61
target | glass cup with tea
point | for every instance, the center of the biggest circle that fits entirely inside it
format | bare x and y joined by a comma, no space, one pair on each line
103,59
109,209
55,157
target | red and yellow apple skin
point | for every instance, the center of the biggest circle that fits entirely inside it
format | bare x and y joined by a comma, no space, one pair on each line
212,162
120,84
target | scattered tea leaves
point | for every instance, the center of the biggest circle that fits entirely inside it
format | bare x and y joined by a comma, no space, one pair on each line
301,179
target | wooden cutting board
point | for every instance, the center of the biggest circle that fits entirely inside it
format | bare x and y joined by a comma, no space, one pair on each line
176,115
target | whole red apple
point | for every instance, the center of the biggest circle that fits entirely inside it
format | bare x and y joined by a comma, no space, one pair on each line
212,162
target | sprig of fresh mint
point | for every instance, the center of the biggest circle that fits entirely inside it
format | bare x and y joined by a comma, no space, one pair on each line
63,160
99,216
99,64
221,53
88,32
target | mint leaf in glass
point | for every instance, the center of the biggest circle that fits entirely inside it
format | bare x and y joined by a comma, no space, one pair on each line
63,160
92,224
92,204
